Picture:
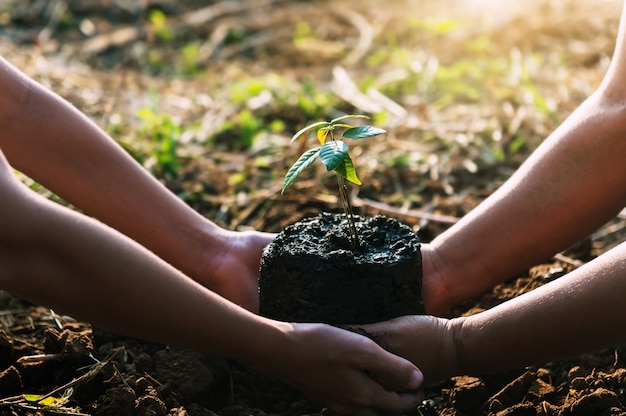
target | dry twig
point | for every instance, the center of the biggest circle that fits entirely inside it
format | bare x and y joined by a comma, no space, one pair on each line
404,213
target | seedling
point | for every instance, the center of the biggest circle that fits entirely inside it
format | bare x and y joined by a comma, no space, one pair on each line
334,155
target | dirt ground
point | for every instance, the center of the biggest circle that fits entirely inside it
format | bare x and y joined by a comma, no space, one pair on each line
104,57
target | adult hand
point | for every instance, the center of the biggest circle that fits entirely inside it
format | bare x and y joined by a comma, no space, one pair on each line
346,372
231,268
425,340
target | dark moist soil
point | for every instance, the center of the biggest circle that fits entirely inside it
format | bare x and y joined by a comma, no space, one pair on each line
142,378
312,272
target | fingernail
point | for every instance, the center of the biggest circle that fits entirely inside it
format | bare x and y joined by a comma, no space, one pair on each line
416,380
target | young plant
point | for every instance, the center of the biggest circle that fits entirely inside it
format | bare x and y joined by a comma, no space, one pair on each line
334,155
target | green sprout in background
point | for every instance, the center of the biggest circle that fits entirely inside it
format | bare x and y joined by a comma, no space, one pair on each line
334,155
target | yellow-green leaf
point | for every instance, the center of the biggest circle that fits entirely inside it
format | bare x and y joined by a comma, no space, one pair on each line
48,401
347,170
322,134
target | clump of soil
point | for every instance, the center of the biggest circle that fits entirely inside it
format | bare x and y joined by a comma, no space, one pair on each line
142,378
312,273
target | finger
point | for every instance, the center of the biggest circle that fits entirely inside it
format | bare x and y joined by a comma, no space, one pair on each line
383,333
370,398
397,403
373,396
379,400
395,373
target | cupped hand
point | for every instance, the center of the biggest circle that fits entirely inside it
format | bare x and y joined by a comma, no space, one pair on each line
346,372
427,341
231,268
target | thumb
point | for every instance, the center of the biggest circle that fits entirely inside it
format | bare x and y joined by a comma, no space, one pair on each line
395,373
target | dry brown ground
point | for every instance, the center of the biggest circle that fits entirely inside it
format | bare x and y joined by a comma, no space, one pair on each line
437,162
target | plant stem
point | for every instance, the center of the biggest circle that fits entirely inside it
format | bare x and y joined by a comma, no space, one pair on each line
347,209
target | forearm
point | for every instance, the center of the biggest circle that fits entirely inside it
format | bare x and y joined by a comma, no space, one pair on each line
55,257
572,184
578,313
51,141
79,266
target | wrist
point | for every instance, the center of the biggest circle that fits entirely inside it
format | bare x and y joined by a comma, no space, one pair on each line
188,242
276,337
204,244
435,291
454,273
454,348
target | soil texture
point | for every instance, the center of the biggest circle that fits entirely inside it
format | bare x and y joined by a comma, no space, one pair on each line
42,353
312,273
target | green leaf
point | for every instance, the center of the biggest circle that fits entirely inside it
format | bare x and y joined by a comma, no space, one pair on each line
347,170
338,119
303,162
362,132
307,128
332,154
341,125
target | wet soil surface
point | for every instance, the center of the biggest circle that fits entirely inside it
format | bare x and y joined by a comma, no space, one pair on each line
43,353
313,271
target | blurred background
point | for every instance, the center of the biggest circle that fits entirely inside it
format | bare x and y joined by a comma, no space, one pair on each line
207,94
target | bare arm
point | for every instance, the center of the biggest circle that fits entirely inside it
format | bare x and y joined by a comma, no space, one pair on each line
578,313
57,257
581,312
51,141
572,184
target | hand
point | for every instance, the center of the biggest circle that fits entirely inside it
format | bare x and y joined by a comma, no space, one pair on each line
347,372
427,341
231,269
